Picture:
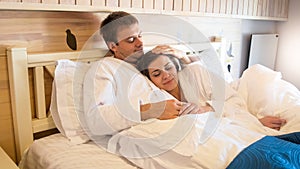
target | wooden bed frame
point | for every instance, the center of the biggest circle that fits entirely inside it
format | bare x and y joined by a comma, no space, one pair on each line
26,119
29,108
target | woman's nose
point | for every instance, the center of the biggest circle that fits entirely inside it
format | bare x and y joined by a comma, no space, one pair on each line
166,74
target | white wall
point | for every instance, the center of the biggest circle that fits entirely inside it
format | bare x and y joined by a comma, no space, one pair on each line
252,27
288,56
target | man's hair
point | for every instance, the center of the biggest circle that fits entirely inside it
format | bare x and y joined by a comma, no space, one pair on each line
144,62
113,22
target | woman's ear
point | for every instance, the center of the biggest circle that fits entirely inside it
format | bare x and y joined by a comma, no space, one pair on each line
112,46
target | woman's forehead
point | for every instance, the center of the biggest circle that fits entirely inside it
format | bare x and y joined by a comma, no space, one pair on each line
159,62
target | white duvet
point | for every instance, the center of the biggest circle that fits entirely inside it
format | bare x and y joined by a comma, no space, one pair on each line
177,143
267,94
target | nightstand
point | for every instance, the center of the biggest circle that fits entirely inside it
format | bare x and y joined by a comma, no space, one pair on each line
5,161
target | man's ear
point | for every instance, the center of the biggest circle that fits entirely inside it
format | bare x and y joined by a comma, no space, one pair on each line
112,46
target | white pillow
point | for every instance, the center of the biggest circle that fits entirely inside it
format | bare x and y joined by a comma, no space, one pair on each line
267,94
68,103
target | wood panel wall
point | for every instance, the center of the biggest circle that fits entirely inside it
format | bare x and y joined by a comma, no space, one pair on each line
39,32
45,32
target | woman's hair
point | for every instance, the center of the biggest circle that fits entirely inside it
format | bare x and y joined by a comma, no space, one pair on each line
145,60
113,22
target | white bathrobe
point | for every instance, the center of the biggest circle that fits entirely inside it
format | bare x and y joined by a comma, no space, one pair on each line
113,92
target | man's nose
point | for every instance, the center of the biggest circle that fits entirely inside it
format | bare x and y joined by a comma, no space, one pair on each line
139,41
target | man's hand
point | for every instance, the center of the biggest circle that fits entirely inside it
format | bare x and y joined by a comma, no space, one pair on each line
272,122
166,49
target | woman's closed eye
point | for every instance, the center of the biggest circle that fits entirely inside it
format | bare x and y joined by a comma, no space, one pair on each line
169,67
156,73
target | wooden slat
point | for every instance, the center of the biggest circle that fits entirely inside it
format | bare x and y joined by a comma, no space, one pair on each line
99,3
229,7
159,4
195,5
240,7
177,5
271,8
223,6
84,2
18,73
245,8
259,7
276,6
148,4
50,1
186,5
10,0
284,8
168,5
50,70
136,3
124,3
250,7
31,1
39,91
217,6
255,7
112,3
202,6
51,58
67,2
44,124
235,6
209,6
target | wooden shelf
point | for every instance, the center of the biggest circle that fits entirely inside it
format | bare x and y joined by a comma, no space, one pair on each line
254,9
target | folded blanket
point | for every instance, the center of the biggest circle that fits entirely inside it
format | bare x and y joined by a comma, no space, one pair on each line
270,152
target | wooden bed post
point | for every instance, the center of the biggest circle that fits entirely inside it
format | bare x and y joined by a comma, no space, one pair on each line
20,98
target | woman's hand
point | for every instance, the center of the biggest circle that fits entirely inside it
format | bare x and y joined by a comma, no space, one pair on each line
163,110
166,49
191,108
272,122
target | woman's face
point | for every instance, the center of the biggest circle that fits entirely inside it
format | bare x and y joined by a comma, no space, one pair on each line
163,73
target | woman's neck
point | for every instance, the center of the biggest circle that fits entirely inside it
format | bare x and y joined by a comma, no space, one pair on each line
176,93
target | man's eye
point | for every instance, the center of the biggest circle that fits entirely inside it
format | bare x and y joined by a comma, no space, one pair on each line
131,40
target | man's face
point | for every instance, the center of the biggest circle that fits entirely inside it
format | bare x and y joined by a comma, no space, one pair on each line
129,44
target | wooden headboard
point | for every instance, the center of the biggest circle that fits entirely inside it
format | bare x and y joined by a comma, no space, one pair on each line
27,90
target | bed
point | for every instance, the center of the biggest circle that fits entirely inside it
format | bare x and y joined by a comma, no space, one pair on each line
73,149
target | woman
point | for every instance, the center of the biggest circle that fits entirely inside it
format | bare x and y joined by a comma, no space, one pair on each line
162,70
268,152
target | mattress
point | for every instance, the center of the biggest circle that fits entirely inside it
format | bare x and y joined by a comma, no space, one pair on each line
55,151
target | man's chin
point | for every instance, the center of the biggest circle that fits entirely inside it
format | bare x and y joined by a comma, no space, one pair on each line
134,57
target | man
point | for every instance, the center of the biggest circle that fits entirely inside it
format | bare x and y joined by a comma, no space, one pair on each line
116,95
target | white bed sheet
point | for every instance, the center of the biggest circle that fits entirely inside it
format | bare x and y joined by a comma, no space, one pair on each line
56,152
